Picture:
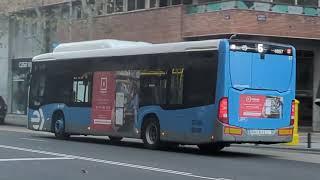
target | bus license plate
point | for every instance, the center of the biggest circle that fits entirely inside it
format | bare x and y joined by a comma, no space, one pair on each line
261,132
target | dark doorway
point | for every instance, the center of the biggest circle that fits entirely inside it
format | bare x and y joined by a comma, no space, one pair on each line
304,86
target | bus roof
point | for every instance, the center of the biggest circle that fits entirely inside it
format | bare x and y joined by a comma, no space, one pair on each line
109,48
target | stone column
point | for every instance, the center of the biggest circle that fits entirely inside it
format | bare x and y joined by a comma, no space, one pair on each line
316,77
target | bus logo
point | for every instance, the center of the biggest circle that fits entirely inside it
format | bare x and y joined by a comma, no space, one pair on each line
103,84
248,99
37,120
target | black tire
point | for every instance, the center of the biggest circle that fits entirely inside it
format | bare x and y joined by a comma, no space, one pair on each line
151,134
1,121
59,127
211,148
115,139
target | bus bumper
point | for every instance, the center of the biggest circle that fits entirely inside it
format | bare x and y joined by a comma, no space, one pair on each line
232,134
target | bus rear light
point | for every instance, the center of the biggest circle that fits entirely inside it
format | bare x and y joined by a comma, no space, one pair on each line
232,130
223,110
289,51
285,132
292,113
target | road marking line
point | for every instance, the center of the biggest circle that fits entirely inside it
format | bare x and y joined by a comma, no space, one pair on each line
35,159
31,139
149,168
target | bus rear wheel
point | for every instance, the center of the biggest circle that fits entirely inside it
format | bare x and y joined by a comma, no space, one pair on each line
211,148
151,134
59,127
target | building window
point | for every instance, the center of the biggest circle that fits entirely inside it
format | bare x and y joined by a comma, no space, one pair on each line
118,6
99,8
115,6
304,73
308,3
131,5
175,2
206,1
77,14
34,28
110,6
141,4
136,4
154,3
25,28
187,1
292,2
164,3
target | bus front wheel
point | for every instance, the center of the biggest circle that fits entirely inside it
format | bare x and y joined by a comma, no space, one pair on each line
151,134
59,127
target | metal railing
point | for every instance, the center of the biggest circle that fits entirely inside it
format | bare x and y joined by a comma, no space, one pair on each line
253,5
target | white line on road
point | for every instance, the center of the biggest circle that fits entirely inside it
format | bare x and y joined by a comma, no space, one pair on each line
35,159
187,174
31,139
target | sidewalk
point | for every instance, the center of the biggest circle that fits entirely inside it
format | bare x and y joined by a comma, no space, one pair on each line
16,120
302,146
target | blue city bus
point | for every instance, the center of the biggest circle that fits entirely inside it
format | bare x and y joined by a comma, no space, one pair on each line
208,93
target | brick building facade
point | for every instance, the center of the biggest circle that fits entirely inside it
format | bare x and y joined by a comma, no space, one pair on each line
37,26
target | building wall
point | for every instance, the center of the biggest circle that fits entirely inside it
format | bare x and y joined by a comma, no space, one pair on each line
245,22
156,25
4,57
27,38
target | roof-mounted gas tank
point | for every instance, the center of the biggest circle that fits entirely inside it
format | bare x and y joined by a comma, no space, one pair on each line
96,44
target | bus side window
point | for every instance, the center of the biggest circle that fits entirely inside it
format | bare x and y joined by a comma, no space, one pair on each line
175,85
199,87
81,92
153,88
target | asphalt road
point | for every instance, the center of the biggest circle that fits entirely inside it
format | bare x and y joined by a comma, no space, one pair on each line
31,155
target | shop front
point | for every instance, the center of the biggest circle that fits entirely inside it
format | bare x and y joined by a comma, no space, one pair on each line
20,73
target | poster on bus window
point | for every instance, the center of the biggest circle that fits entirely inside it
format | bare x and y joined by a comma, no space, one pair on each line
103,101
115,101
259,106
127,100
